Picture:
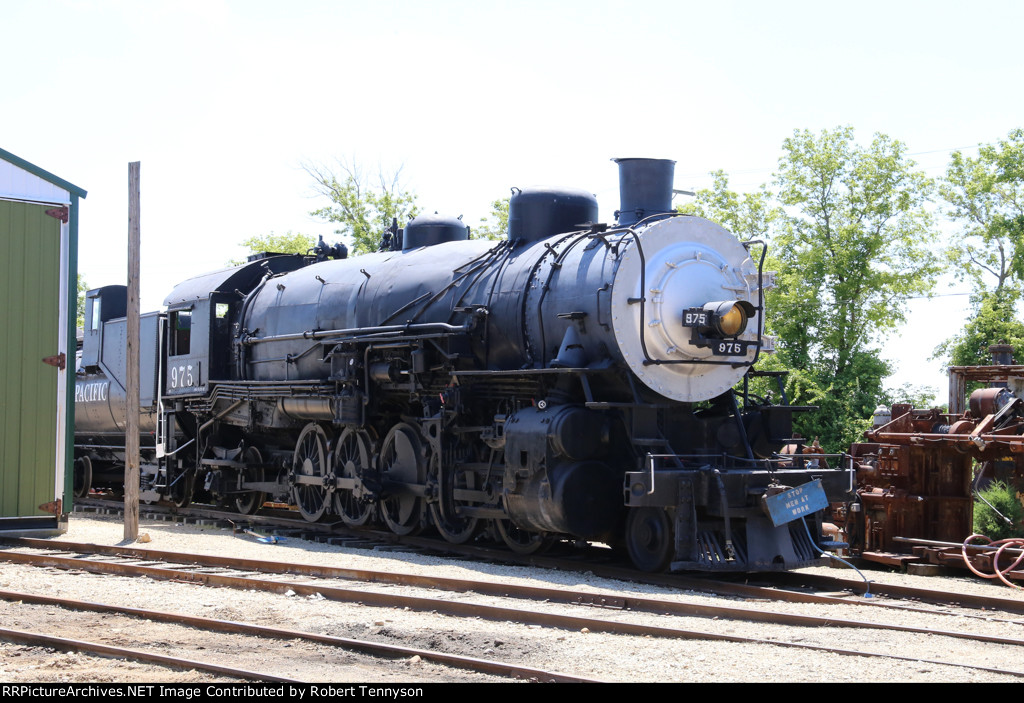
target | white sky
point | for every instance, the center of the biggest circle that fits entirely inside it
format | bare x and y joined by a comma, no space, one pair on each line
222,101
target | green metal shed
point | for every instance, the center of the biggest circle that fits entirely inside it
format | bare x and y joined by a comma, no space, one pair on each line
38,284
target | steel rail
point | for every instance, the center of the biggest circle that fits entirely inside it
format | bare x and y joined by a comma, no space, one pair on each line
460,609
232,627
555,595
704,584
927,595
709,584
193,512
35,639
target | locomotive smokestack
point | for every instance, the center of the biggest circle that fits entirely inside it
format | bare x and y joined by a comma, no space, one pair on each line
645,188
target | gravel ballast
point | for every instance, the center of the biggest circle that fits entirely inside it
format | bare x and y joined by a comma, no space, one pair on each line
588,654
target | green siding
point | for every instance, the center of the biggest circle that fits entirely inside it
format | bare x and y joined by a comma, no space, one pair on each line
29,318
72,322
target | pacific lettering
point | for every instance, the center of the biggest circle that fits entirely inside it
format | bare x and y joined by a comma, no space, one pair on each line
95,392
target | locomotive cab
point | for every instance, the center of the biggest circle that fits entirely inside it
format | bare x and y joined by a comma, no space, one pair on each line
201,314
198,335
188,349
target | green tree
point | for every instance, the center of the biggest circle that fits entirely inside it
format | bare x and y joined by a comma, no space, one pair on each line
853,247
288,243
82,288
363,208
986,196
848,235
495,225
994,322
748,216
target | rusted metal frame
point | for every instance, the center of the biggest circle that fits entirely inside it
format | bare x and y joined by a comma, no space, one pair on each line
950,438
988,373
233,627
952,554
974,548
69,645
491,612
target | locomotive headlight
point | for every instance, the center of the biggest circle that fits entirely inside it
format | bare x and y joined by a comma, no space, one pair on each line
729,318
723,318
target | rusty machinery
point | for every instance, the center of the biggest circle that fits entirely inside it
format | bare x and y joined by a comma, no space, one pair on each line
916,471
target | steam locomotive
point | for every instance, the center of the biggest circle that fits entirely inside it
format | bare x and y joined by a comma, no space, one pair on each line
576,380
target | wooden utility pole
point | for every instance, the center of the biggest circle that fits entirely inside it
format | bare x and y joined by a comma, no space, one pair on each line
131,429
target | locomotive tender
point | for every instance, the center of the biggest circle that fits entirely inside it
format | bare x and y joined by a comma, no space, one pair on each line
575,380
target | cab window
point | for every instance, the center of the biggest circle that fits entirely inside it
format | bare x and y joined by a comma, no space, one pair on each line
181,332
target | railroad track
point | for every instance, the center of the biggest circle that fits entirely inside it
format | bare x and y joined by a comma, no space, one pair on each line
212,625
526,605
794,587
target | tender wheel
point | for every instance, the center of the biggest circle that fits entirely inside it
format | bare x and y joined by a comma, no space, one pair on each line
522,541
83,476
351,458
401,461
650,539
248,502
309,470
453,527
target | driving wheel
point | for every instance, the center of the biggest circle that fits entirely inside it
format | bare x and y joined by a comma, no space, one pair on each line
351,458
309,472
401,467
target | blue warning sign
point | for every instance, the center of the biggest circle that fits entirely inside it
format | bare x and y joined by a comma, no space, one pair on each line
796,502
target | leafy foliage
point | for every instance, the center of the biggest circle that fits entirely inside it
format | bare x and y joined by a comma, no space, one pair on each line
83,287
848,234
994,322
844,403
494,226
915,396
853,247
986,195
1004,500
288,243
748,216
363,208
